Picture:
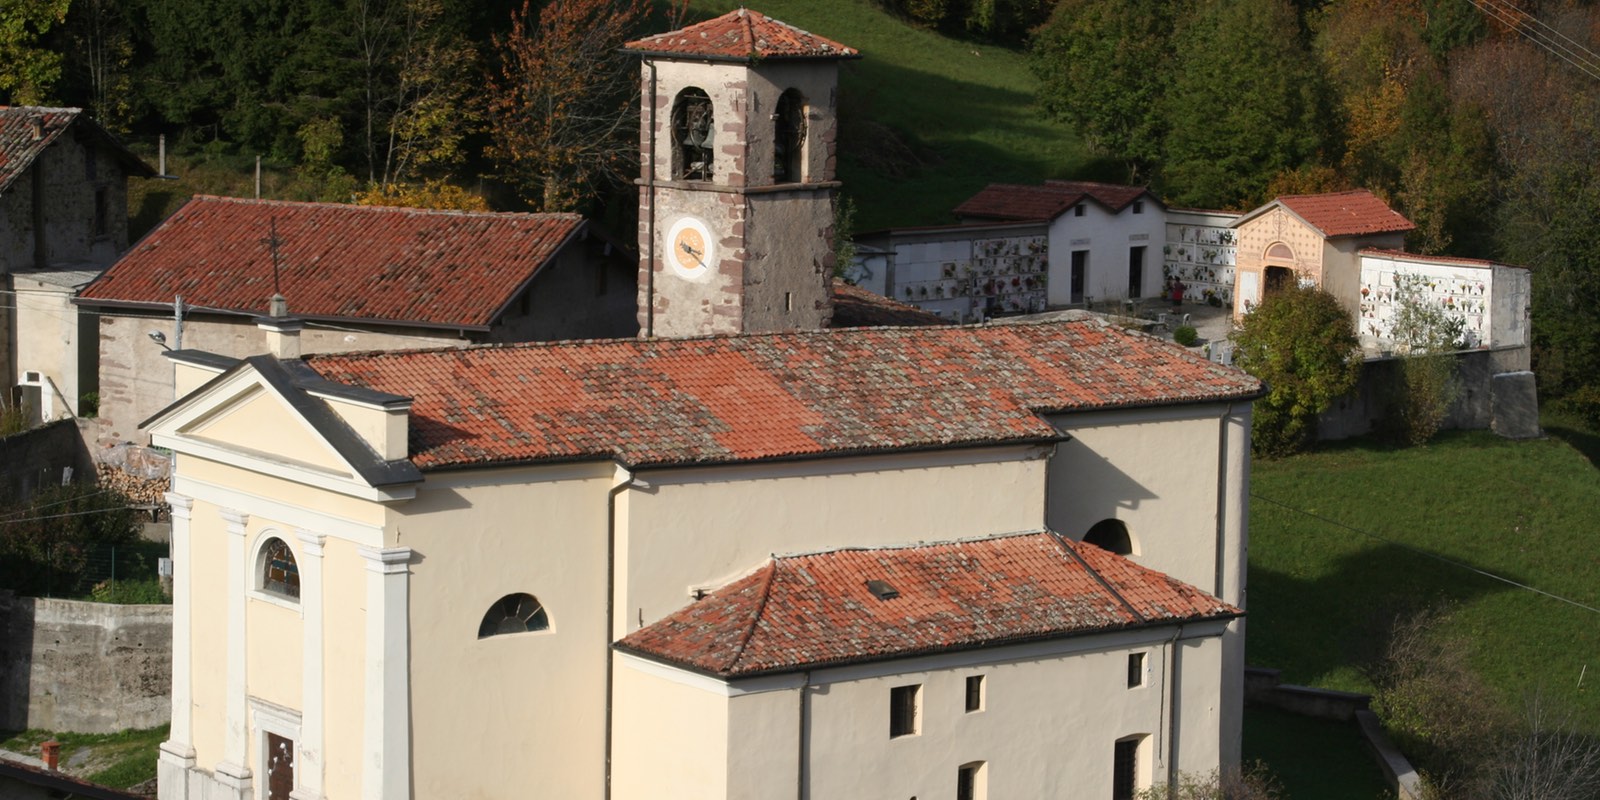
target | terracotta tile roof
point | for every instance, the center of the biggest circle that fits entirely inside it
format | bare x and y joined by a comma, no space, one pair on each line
741,35
1401,255
1020,202
744,398
855,307
364,263
1351,213
803,612
19,148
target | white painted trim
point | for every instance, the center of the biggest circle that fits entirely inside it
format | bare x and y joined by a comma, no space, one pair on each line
349,530
309,781
265,464
179,747
236,734
350,401
1134,416
273,718
521,474
386,730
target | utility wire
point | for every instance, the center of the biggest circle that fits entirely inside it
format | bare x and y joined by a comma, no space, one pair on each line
53,505
4,522
1580,57
1421,552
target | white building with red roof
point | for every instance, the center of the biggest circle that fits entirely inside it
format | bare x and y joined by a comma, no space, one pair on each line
747,556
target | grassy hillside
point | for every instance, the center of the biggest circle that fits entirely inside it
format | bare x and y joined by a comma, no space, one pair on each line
1527,511
927,119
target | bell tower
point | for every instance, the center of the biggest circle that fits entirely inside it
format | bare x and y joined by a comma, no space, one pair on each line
737,186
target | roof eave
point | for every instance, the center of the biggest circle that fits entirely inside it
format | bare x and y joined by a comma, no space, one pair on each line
752,58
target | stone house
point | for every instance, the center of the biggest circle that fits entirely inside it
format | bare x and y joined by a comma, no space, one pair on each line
355,277
63,217
753,558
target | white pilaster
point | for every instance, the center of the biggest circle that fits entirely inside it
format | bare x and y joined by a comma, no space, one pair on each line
386,772
177,752
310,762
234,771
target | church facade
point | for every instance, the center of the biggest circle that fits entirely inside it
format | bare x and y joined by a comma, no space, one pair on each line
769,561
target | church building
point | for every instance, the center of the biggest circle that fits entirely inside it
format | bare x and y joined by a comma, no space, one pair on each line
740,556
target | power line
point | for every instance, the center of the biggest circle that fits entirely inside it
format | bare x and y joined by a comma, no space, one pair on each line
56,503
1568,50
1425,553
68,514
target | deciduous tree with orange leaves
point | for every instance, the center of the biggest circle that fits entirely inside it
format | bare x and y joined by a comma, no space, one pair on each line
563,102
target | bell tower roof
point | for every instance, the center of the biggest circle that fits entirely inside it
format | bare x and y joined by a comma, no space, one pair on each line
741,35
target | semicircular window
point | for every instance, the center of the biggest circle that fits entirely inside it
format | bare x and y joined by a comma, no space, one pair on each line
1112,535
280,574
514,613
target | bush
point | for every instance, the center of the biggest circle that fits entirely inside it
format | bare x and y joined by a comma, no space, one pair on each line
1252,783
46,543
1302,344
1427,334
1186,336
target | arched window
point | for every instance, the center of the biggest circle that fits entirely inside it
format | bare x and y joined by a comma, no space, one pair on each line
1279,251
280,575
1111,535
789,138
514,613
692,135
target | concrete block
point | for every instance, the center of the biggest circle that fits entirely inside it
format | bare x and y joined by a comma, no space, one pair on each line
1515,405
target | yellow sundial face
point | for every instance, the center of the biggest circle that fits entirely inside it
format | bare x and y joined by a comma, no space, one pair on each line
691,248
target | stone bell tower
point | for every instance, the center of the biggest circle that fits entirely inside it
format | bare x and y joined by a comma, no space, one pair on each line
736,193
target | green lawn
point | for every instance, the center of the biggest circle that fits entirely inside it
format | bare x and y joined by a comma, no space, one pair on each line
1526,511
119,760
964,109
1313,759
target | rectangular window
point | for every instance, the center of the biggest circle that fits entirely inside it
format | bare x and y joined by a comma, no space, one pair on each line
904,703
1135,670
102,212
974,693
1077,210
1125,769
1138,206
970,783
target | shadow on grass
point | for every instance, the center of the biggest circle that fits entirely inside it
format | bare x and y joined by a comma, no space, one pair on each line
1576,436
1319,631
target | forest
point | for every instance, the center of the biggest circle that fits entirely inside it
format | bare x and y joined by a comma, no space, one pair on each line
1476,118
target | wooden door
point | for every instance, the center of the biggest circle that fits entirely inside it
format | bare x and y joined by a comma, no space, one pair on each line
280,767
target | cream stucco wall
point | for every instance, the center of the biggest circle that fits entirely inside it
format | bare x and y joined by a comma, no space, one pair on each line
208,547
344,651
670,736
700,528
1051,715
53,339
511,715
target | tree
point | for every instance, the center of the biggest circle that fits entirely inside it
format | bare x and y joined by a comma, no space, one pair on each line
1302,344
99,57
28,72
1548,759
563,104
1103,66
427,194
1428,335
416,103
1246,102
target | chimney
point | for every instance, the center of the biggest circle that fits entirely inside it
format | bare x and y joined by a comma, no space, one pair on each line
51,752
37,121
283,331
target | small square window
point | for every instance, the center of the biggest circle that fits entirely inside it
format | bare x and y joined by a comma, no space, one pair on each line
1138,206
1077,210
904,704
1135,670
974,693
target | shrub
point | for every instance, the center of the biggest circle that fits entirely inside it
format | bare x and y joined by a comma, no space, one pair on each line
1427,334
1186,336
46,543
1302,344
1252,783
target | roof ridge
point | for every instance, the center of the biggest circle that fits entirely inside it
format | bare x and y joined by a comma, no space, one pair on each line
755,619
360,208
1094,573
878,548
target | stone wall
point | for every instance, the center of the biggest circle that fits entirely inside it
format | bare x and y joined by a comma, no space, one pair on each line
1362,411
32,460
68,665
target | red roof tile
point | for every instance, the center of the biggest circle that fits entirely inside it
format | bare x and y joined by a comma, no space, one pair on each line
398,265
741,35
1054,198
1401,255
855,307
743,398
802,612
1351,213
19,148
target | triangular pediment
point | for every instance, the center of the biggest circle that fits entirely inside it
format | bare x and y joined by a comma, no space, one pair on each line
255,417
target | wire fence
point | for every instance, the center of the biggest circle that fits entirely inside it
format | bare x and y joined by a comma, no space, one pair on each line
98,571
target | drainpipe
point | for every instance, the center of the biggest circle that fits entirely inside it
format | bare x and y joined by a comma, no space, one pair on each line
1174,673
622,480
650,224
1222,496
802,745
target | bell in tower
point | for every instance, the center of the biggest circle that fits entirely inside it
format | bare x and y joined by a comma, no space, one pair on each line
738,177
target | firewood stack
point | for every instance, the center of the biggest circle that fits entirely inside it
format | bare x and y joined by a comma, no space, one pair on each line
139,491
